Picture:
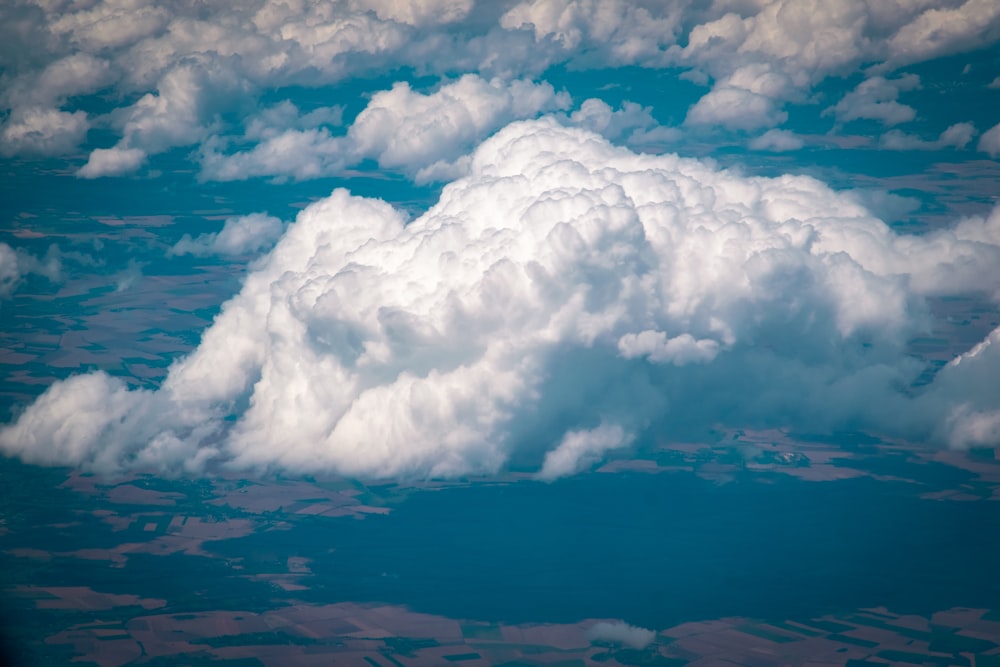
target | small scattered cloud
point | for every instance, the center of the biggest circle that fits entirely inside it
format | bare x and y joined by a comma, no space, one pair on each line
16,265
578,450
112,162
631,124
776,141
621,633
239,236
423,135
877,99
956,136
42,131
401,128
128,277
989,143
619,31
736,107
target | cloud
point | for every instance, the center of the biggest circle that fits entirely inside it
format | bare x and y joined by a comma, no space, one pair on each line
776,141
403,129
239,236
621,32
939,31
10,272
735,108
112,162
181,76
968,384
955,136
15,265
416,12
800,43
36,125
631,124
298,154
990,141
876,99
128,277
42,131
622,633
183,70
658,348
580,449
424,135
565,297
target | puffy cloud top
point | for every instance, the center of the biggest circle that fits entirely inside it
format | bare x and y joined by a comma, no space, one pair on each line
564,299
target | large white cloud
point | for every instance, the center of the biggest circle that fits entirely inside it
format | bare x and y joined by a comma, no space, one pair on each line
564,299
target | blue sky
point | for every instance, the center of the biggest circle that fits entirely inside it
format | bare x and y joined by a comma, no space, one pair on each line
574,228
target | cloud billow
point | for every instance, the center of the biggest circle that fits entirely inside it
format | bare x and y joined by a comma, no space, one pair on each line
564,299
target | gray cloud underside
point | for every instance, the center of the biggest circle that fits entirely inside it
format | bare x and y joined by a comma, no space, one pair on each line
565,299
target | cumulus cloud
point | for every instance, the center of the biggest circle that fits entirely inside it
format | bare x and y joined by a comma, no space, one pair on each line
735,107
15,265
800,43
42,131
631,124
288,144
402,128
622,633
112,162
565,298
876,99
182,74
72,75
239,236
955,136
416,12
182,68
621,31
581,449
939,31
777,141
968,383
990,141
425,135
